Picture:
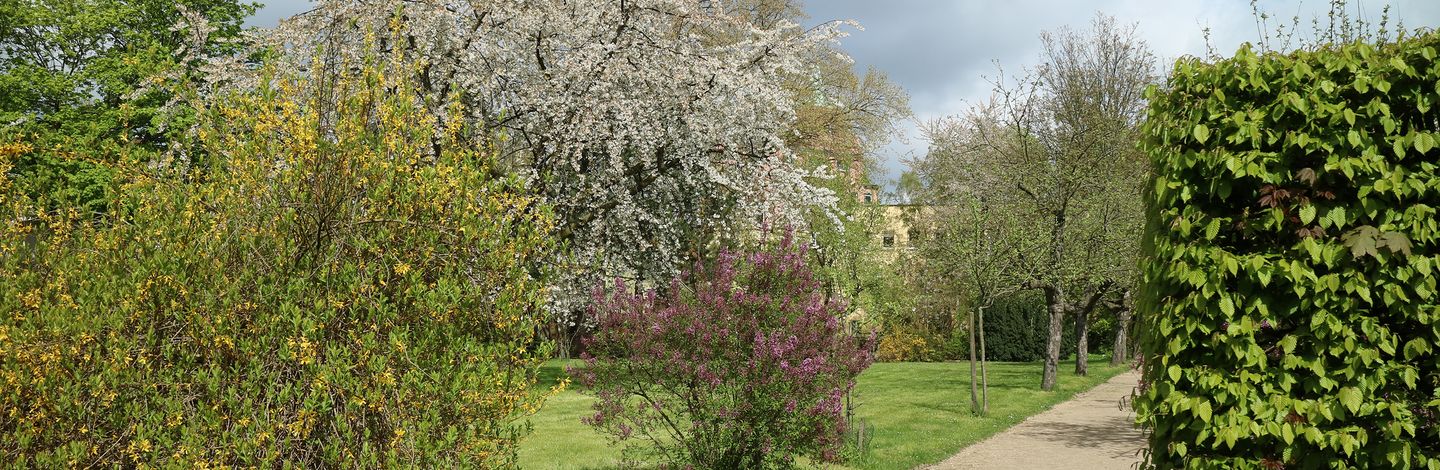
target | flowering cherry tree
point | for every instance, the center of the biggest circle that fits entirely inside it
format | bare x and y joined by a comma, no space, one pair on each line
743,364
650,126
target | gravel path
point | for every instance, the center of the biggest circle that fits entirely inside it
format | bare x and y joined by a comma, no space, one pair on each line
1091,431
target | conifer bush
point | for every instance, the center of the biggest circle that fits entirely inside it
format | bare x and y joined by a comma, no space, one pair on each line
1290,307
345,283
742,364
1016,327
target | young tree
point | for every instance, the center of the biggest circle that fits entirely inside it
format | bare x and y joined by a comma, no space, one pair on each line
977,244
1057,149
979,247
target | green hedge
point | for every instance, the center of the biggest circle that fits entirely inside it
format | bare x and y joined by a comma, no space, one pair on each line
1290,288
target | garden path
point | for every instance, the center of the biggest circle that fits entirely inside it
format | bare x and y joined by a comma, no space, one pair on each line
1093,430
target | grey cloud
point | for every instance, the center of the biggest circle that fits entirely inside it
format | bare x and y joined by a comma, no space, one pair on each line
941,51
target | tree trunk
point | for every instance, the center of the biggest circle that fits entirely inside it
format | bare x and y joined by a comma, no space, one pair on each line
1082,343
1056,303
974,392
1122,331
984,374
1082,327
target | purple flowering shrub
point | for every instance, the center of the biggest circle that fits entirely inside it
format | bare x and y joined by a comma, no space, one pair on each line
741,364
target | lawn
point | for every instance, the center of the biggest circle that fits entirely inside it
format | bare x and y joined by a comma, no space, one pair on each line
919,413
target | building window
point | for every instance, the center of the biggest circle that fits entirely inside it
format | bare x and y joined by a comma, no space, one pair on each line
888,239
867,197
912,236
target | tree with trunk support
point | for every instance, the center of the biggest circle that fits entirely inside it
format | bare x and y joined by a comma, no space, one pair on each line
975,243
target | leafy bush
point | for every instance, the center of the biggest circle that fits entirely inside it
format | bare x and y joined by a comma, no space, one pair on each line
1290,307
349,286
743,364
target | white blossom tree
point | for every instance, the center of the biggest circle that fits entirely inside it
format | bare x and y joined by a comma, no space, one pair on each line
652,127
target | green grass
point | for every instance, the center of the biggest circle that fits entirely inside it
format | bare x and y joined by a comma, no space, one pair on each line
919,413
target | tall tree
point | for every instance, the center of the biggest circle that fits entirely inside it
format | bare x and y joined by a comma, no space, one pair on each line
1096,86
77,78
654,128
842,118
1057,149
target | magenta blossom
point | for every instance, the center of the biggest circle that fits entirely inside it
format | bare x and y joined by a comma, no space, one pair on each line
742,363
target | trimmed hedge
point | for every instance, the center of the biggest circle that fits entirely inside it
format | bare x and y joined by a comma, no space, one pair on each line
1290,288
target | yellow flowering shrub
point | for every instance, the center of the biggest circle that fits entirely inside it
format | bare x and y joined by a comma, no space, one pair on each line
901,346
342,282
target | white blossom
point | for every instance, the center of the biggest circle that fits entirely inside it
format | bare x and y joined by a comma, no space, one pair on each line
641,122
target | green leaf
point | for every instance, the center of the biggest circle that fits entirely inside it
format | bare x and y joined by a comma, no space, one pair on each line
1396,242
1307,214
1212,229
1337,216
1202,410
1174,372
1350,397
1312,247
1287,344
1227,306
1361,241
1424,142
1201,133
1415,348
1399,63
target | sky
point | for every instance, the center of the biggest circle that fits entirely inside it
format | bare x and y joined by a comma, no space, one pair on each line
944,51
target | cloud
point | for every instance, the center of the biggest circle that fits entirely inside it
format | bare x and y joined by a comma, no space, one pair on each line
943,51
